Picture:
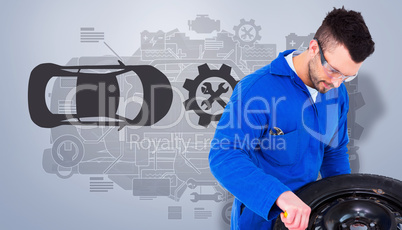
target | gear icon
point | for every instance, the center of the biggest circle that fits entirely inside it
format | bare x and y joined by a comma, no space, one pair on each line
192,85
247,33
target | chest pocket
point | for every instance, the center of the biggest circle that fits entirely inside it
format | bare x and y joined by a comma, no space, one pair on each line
281,150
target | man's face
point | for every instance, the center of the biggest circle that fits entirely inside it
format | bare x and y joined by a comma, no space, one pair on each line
338,58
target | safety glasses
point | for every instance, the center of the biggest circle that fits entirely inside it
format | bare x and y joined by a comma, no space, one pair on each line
331,72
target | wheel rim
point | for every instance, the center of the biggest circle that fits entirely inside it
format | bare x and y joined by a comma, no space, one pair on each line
356,210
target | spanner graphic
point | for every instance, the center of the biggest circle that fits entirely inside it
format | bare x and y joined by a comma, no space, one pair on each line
215,197
215,95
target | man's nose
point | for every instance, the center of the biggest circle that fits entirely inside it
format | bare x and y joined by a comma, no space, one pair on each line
336,82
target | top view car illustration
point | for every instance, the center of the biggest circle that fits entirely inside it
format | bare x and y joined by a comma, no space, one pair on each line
97,95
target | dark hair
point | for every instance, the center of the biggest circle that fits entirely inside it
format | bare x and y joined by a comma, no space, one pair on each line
346,27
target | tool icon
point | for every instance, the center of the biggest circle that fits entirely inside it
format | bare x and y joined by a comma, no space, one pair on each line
247,33
215,95
215,197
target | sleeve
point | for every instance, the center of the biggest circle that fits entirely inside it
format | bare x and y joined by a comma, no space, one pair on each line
336,158
231,158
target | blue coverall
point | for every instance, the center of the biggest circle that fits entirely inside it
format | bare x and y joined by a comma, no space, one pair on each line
257,167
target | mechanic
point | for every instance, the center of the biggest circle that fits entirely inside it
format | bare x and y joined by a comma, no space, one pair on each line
299,106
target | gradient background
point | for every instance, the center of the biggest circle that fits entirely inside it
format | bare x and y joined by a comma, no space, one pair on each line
35,32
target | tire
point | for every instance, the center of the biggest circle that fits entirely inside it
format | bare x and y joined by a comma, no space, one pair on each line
353,201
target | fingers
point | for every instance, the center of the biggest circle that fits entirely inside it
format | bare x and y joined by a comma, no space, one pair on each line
297,219
283,217
304,220
298,211
289,219
293,219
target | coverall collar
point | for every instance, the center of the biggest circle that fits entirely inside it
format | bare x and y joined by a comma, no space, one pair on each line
280,67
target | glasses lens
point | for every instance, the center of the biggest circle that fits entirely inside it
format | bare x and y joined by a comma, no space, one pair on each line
350,78
331,71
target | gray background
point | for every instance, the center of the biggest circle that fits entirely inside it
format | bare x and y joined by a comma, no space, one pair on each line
48,31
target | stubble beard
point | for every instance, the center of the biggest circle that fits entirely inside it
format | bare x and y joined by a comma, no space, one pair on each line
313,76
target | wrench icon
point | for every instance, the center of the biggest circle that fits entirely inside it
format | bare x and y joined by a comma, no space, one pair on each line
215,197
215,95
247,33
192,184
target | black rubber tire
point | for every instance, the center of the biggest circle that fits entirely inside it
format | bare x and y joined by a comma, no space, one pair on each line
364,187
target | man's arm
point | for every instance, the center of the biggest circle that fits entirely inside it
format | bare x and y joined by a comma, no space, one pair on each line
231,159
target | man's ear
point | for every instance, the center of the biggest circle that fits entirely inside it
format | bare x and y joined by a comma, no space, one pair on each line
313,48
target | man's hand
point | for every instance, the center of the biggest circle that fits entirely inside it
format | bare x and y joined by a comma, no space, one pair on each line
298,211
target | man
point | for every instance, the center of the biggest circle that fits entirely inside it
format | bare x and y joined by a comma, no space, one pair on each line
286,122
